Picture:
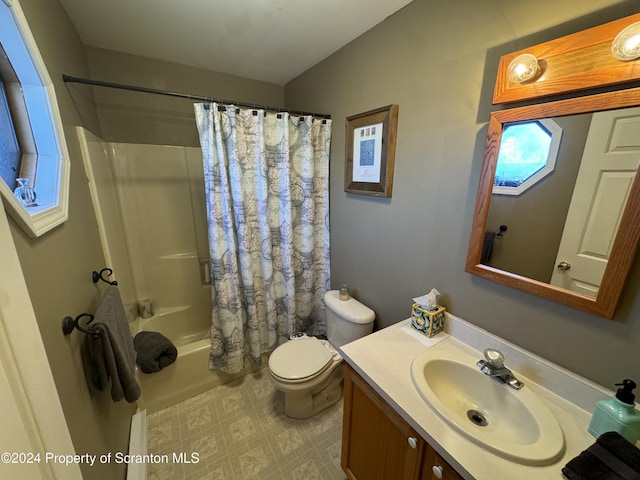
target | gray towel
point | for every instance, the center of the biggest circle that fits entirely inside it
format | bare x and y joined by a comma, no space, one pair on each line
108,354
612,457
155,351
487,247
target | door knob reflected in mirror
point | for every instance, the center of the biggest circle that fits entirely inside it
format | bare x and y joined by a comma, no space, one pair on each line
563,266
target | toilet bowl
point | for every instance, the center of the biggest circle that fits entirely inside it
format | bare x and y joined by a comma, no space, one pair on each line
310,371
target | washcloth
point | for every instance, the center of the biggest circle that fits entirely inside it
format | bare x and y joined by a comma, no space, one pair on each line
612,457
108,355
155,351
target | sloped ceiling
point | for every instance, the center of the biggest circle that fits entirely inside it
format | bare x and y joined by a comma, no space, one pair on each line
268,40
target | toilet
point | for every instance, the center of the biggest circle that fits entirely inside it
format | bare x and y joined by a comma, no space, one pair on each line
310,371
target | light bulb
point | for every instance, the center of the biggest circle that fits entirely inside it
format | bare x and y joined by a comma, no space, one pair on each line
626,45
522,68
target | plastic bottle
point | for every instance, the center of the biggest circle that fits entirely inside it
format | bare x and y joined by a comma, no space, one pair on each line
618,414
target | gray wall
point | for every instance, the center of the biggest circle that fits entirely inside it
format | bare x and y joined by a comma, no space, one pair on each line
58,265
132,117
388,250
438,61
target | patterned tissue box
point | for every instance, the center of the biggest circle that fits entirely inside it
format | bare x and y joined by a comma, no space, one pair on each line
427,322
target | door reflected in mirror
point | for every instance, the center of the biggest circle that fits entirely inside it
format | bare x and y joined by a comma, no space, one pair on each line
566,232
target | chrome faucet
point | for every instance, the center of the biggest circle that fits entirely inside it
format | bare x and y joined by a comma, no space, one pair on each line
493,365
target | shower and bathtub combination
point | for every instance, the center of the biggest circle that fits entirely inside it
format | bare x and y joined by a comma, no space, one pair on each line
150,205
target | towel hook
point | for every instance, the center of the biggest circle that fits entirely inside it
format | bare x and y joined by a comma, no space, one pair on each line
503,228
68,324
97,276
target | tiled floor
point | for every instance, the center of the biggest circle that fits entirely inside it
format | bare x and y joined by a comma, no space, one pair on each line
240,433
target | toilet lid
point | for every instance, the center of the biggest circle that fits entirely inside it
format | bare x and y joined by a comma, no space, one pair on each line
300,358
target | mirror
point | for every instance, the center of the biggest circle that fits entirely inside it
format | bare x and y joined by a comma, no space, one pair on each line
534,235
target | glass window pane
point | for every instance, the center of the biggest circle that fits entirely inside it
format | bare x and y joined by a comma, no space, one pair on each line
524,150
9,150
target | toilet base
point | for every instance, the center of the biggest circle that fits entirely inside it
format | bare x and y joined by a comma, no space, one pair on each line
307,403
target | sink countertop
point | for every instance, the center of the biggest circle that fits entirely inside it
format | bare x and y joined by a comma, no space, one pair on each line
384,360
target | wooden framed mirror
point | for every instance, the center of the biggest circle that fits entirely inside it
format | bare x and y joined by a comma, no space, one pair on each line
619,245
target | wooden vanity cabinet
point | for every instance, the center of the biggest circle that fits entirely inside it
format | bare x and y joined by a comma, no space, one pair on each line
435,468
377,444
375,439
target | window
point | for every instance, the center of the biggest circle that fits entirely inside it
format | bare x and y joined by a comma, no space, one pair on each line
527,154
33,152
9,149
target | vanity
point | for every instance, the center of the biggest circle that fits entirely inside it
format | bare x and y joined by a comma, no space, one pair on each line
390,431
379,443
423,409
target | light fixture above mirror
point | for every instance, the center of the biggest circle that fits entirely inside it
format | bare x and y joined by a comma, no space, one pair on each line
576,62
523,68
626,45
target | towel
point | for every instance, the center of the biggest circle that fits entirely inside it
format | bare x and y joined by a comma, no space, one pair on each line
108,355
612,457
487,247
155,351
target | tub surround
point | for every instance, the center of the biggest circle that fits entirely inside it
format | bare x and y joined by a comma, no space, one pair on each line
139,191
570,397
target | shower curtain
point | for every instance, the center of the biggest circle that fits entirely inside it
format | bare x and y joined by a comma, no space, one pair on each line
266,182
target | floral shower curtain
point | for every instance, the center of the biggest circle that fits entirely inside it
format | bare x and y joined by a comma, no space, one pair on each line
266,182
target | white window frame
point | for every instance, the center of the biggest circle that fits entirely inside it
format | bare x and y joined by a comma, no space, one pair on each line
556,135
53,165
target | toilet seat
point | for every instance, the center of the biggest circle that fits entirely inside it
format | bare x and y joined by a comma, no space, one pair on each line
301,359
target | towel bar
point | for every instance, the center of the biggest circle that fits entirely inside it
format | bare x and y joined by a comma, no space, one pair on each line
97,276
68,324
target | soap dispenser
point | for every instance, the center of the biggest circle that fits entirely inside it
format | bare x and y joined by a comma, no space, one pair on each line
618,414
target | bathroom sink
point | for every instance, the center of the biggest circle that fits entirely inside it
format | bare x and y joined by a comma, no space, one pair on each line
514,424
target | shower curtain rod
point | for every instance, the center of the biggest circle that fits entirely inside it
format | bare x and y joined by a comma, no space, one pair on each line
200,98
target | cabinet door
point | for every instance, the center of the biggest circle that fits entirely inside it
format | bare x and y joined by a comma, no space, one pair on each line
435,468
377,444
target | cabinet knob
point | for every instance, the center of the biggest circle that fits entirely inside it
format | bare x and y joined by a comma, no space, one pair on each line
413,443
437,471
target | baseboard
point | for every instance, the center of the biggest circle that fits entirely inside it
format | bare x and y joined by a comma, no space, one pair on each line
138,446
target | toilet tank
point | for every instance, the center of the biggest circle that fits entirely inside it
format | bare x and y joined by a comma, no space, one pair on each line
347,320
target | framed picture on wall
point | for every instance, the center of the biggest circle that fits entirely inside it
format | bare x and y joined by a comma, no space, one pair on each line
371,144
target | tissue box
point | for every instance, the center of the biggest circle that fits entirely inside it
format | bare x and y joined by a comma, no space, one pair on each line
427,322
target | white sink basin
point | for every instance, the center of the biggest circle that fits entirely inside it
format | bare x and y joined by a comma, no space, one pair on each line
514,424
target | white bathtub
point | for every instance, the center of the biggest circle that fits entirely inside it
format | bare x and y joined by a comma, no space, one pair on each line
189,375
159,186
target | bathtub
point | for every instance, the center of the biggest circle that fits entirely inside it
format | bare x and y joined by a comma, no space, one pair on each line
189,375
158,184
